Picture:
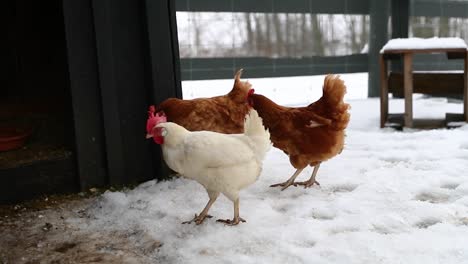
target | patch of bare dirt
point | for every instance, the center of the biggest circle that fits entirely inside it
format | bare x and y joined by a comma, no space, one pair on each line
38,232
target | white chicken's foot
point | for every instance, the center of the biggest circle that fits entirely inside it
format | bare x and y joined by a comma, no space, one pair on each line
312,180
289,182
232,222
236,220
198,219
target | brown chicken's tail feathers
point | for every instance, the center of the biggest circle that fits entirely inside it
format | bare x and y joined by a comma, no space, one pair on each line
334,90
254,129
238,74
242,85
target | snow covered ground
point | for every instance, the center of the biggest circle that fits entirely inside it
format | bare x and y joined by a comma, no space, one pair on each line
390,197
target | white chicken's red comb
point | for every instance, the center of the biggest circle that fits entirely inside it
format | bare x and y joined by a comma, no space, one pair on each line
154,119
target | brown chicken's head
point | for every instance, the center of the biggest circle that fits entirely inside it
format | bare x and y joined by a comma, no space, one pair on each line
249,98
153,120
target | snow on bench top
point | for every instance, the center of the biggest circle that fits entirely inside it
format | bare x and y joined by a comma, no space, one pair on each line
424,43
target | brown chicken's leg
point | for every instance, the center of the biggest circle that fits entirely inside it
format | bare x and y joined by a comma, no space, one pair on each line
237,219
198,219
312,180
289,182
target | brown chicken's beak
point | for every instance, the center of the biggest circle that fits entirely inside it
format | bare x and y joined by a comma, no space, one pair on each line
149,136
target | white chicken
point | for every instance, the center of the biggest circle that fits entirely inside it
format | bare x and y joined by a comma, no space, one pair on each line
222,163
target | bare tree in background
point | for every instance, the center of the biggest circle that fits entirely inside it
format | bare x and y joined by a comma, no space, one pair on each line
279,45
317,36
364,32
304,35
268,36
295,35
444,29
353,43
251,43
423,27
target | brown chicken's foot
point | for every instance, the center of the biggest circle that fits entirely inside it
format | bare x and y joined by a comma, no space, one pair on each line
289,182
284,185
198,219
307,184
232,222
311,181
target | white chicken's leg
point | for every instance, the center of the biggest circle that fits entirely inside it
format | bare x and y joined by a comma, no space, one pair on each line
312,180
237,219
198,219
289,182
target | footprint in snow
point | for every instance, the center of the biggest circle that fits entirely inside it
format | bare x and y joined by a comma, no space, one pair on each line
433,196
425,223
323,215
449,185
342,230
347,187
464,145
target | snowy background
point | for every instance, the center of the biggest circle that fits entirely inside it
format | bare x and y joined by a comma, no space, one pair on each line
390,197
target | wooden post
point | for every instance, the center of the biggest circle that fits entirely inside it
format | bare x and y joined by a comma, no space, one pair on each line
383,91
85,91
400,26
408,84
465,88
164,64
378,11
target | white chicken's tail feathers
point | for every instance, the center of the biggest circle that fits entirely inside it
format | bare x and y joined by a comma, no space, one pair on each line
254,129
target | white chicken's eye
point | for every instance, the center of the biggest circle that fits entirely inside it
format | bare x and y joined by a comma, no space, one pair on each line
163,132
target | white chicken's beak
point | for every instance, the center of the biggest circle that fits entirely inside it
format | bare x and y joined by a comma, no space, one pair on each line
149,136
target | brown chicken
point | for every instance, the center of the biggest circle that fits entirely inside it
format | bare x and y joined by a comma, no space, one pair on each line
308,135
223,114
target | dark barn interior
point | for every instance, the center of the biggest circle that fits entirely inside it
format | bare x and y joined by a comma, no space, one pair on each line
36,100
77,79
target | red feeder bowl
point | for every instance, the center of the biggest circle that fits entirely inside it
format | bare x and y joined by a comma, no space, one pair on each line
13,137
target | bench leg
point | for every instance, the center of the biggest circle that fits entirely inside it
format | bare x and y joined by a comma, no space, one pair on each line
408,88
383,92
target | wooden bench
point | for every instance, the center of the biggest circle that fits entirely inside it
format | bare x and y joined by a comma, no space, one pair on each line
433,83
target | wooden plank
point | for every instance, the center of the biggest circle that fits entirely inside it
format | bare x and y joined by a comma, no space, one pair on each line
224,68
54,176
164,66
126,78
465,90
438,8
164,55
428,83
397,121
84,87
276,6
383,92
422,50
408,86
108,72
456,55
454,117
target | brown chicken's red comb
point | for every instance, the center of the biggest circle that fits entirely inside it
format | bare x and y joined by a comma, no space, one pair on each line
251,91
